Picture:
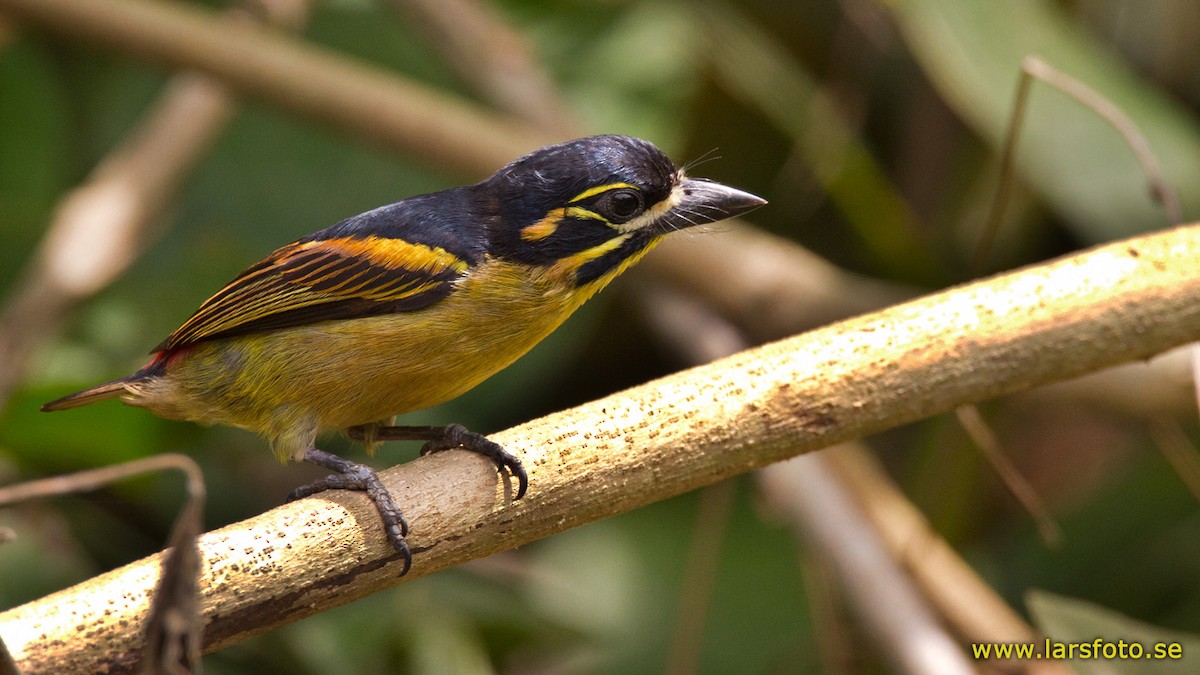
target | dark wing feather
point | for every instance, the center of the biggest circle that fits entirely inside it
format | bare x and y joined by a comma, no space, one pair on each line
319,280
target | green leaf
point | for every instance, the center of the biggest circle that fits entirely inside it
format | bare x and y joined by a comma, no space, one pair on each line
972,51
1067,620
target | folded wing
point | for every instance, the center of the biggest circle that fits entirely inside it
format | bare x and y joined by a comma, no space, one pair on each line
322,280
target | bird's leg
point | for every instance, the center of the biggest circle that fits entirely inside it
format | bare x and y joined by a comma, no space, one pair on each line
353,476
446,438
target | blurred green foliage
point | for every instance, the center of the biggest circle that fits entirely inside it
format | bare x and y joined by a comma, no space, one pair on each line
872,129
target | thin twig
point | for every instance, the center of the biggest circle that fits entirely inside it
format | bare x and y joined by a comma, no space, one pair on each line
1160,189
172,625
1178,451
699,578
834,638
94,479
985,439
1031,68
1004,183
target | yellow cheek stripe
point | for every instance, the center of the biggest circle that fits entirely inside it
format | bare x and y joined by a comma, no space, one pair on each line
592,192
568,265
625,264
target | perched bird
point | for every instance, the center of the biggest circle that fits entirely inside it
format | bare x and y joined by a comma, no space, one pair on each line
411,304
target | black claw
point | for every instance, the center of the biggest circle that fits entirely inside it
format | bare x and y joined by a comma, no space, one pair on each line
458,436
354,476
447,438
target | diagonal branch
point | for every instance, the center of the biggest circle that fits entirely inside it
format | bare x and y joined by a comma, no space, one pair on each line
1124,301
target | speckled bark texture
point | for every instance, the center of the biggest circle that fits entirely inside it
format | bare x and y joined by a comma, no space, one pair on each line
1120,302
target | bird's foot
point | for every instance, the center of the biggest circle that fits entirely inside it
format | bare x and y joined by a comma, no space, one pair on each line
353,476
447,438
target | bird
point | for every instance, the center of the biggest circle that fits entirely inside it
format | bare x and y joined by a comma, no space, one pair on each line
411,304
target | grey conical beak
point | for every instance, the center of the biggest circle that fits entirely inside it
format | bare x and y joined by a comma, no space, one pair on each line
704,201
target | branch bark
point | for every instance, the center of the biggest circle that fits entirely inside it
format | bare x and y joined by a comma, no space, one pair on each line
1124,301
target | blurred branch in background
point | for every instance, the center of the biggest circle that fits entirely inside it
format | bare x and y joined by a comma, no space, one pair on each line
960,595
892,610
1141,390
1127,300
350,94
494,58
102,226
767,286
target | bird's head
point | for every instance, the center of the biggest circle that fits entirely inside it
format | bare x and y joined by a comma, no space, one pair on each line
590,206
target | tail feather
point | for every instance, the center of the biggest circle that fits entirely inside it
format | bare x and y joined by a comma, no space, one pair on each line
97,393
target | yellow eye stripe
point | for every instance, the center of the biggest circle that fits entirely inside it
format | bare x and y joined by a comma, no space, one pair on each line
592,192
548,225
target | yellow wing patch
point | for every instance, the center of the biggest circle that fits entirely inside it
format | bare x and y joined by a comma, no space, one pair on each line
395,253
312,281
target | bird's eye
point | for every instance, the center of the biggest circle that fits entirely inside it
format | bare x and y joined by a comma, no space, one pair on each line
620,205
